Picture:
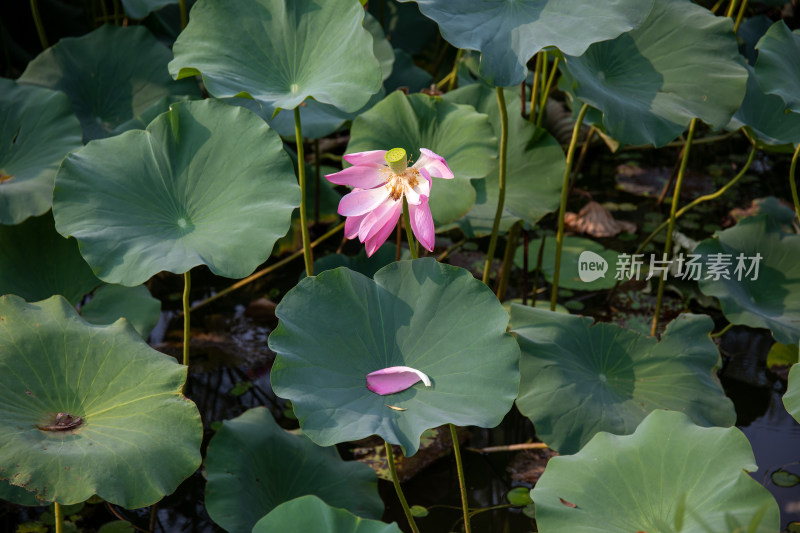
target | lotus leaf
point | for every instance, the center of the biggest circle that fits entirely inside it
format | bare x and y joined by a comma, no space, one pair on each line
107,84
535,164
647,85
112,302
37,130
282,52
767,296
509,32
458,133
53,265
253,466
777,72
766,115
338,327
791,399
580,378
206,183
669,476
90,409
139,9
309,513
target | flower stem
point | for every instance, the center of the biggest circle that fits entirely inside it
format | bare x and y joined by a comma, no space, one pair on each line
59,517
501,103
37,19
301,177
793,183
412,243
563,209
671,226
462,484
398,488
184,14
187,286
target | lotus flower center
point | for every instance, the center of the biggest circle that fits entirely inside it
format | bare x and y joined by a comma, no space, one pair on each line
400,176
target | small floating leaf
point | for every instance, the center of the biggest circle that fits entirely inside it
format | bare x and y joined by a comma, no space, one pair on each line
784,478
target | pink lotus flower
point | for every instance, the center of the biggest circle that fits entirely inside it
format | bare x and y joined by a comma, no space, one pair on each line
395,379
380,180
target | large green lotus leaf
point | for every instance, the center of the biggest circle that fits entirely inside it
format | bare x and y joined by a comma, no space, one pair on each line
571,251
777,67
579,378
18,495
252,466
139,9
309,513
338,327
458,133
107,83
318,119
112,302
766,115
791,398
406,74
670,476
509,32
535,164
37,129
127,433
281,51
773,299
37,263
682,63
206,183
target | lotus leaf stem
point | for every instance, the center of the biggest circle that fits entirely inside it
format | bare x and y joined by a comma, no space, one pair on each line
184,14
37,19
793,182
721,332
450,250
187,287
731,8
301,177
59,517
317,186
705,198
671,225
267,270
545,92
412,243
739,17
508,259
501,103
537,72
454,73
576,129
462,484
398,489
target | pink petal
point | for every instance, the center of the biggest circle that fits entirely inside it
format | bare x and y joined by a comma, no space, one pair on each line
434,164
376,241
359,201
359,176
422,223
375,220
351,225
395,379
372,157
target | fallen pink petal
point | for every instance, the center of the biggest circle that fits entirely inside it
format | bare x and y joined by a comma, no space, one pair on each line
381,181
395,379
